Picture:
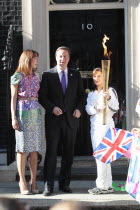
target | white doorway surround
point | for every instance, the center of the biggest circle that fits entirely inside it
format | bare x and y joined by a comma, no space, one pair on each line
36,35
132,60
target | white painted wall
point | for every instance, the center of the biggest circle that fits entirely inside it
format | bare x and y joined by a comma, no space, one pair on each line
34,29
132,61
27,24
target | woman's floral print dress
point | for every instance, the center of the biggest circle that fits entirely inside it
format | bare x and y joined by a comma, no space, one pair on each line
29,136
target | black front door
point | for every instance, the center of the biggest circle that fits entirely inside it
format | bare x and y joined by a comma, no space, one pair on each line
83,32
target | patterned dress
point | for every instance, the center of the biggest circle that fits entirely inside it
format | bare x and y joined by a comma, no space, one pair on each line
133,176
29,136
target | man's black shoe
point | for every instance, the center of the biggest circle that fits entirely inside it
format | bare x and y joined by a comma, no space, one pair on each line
65,189
47,190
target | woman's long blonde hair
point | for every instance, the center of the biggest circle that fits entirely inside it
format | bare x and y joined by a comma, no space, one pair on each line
24,65
96,70
93,73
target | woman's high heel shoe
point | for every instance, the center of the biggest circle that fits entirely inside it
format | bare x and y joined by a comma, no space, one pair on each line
24,192
33,191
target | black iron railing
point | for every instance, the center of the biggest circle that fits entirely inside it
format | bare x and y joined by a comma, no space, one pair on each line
7,140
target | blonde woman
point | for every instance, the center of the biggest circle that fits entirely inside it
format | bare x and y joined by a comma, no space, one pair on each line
26,117
95,108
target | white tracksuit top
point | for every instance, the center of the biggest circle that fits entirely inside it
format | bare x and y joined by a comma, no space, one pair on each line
96,117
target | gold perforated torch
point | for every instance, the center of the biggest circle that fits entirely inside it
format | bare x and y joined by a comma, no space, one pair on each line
105,71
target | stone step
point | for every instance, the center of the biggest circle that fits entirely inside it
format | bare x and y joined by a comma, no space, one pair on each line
119,200
84,168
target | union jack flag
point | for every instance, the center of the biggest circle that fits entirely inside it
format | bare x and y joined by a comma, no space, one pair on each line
115,143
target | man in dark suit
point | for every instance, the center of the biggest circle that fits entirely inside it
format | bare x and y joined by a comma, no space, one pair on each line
62,96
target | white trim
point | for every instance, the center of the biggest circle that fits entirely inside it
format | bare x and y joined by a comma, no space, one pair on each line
60,7
126,61
76,1
48,37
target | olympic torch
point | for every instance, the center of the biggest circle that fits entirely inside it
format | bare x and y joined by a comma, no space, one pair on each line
105,71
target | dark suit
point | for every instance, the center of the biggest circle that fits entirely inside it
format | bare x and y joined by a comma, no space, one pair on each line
65,125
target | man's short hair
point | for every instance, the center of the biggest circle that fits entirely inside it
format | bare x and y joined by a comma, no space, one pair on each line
63,48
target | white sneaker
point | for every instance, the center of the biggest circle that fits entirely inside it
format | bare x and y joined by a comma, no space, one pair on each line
97,191
111,190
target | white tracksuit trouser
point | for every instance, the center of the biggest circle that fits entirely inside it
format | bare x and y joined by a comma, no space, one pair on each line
104,174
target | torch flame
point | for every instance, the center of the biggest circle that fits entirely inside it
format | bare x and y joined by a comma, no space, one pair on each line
106,54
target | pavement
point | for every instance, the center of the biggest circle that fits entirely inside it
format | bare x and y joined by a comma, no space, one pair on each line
83,178
113,201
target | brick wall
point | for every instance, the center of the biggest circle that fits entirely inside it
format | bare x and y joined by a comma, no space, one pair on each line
11,13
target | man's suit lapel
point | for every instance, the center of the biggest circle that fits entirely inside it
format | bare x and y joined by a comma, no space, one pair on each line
57,82
70,81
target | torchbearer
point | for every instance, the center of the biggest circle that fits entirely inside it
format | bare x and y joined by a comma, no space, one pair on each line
101,112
